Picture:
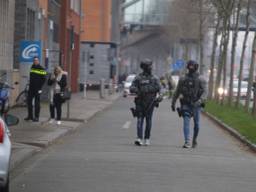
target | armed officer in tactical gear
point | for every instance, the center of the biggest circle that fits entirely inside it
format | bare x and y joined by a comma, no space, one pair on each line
192,92
145,86
36,82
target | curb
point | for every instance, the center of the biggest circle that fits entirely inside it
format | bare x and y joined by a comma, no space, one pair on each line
34,148
22,155
48,140
231,131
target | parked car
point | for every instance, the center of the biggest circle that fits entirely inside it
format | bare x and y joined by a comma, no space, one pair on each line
127,84
5,150
243,91
244,88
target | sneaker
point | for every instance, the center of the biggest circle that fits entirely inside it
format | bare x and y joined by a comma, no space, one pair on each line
58,122
138,142
35,119
147,142
51,121
28,118
186,145
194,144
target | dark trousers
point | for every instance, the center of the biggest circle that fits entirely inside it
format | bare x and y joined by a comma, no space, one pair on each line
140,122
36,97
57,103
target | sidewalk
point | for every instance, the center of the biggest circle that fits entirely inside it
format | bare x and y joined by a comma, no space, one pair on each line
29,138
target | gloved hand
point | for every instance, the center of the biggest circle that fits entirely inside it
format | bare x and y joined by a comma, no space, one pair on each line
39,91
198,103
173,107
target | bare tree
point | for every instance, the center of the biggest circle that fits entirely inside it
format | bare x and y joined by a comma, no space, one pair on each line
225,8
213,56
219,67
243,52
251,75
184,20
205,12
190,18
225,55
201,36
233,51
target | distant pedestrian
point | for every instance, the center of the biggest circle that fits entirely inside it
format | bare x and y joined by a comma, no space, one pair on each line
57,82
192,91
145,86
170,83
37,78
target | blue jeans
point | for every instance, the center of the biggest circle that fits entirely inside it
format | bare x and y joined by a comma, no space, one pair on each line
140,122
187,111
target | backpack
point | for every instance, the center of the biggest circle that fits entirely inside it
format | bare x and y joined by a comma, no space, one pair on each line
190,89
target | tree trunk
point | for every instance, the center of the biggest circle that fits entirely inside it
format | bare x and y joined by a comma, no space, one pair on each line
233,52
214,47
225,8
243,53
251,75
219,68
201,38
225,55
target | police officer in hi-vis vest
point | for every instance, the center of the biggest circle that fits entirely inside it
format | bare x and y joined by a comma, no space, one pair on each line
36,82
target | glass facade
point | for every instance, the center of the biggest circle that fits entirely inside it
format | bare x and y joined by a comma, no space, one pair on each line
149,12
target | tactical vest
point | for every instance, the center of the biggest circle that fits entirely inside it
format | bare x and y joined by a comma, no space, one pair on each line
148,85
190,89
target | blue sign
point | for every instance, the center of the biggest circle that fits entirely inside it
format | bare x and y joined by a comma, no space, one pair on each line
29,50
178,65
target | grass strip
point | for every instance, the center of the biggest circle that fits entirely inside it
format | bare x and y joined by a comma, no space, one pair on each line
236,118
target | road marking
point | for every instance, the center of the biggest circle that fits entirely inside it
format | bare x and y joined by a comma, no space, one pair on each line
127,125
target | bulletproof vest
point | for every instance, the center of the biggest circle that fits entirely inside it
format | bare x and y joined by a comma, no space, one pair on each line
190,89
147,85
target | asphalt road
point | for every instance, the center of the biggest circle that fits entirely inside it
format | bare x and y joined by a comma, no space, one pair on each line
101,157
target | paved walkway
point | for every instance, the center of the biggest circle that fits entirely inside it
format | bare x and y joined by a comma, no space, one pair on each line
101,157
29,138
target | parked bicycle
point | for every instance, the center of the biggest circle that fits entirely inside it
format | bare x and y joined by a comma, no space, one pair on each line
22,98
4,98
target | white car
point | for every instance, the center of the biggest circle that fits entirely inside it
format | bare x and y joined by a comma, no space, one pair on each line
127,84
5,151
243,91
244,87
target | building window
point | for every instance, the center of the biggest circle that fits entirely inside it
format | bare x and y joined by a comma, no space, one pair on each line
91,72
92,45
56,33
91,64
83,56
91,56
30,24
4,26
75,5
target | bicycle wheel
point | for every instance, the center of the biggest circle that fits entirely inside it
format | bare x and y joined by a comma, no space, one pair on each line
21,100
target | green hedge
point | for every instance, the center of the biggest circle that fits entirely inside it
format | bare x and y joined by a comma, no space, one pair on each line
236,118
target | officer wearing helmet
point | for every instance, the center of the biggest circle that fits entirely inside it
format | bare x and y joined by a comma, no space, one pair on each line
192,93
146,87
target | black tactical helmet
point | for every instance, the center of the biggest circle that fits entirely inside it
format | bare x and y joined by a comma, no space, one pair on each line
192,66
145,63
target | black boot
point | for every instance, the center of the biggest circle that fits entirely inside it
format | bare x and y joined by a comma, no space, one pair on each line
28,118
194,143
